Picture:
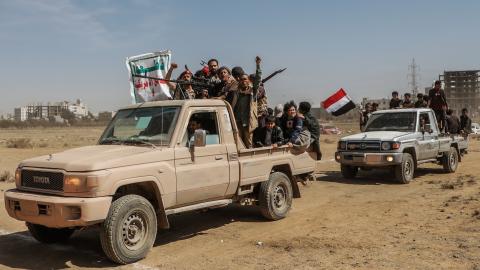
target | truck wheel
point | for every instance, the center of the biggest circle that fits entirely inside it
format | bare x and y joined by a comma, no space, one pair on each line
275,198
49,235
450,160
404,172
129,231
348,171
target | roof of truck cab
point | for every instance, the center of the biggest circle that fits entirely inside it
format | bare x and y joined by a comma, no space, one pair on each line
192,102
403,110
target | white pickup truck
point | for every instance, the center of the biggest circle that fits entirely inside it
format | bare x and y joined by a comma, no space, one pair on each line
399,139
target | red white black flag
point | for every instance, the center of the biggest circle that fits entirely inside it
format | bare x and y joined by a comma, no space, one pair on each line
338,103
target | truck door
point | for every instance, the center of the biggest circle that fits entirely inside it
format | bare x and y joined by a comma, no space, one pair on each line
428,142
202,174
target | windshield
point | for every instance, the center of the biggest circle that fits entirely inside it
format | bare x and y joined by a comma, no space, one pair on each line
401,121
146,126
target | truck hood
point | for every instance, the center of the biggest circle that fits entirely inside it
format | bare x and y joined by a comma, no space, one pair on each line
376,135
99,157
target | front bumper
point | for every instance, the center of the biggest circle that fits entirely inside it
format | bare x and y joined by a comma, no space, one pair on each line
55,211
368,159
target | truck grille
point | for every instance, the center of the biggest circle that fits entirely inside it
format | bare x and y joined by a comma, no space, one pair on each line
42,180
363,145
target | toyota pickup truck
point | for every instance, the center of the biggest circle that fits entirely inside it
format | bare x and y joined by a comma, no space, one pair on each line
153,160
400,140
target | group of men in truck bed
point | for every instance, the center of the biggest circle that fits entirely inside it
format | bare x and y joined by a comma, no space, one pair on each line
448,122
258,125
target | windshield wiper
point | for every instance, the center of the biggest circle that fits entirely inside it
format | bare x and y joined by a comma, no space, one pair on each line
140,141
111,141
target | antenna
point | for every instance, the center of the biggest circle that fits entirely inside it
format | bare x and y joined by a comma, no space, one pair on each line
413,69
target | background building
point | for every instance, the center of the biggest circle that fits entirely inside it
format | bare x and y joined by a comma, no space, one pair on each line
51,110
105,116
79,109
462,89
20,114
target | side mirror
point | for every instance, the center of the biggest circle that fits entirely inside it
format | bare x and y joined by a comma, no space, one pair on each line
428,128
199,138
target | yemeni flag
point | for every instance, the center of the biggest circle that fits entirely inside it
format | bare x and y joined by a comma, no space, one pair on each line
338,103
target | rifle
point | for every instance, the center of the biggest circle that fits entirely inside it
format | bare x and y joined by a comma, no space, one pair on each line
273,74
204,84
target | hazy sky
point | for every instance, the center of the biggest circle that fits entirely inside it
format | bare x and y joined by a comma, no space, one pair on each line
62,50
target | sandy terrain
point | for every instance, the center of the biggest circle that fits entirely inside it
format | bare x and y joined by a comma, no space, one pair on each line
369,223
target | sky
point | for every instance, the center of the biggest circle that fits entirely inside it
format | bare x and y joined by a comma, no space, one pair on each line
63,49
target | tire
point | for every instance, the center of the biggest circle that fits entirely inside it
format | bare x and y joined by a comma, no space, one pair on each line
450,160
348,172
405,171
49,235
275,196
128,233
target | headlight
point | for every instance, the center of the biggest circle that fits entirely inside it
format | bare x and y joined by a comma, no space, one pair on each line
18,176
385,146
395,145
75,183
342,145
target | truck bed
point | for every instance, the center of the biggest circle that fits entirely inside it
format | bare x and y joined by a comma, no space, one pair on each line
257,163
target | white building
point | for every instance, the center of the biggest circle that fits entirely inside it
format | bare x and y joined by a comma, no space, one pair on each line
78,108
40,111
20,114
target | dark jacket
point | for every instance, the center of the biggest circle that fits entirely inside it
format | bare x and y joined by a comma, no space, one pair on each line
395,103
453,124
465,124
244,104
438,100
260,136
311,124
291,128
420,104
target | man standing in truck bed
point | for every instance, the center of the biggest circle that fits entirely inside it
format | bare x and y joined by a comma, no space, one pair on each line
438,103
244,103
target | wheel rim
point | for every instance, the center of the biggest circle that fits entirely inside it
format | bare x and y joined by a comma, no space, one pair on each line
453,160
134,230
408,168
280,197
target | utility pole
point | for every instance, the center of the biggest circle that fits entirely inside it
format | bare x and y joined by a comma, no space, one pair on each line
414,78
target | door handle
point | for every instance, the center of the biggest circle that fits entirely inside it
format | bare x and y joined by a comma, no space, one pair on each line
218,157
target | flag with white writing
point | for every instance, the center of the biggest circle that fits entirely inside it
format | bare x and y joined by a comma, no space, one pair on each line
338,103
153,65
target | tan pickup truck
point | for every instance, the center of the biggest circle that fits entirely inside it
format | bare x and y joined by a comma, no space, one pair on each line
153,160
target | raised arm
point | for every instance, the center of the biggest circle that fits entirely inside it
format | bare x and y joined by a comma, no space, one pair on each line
168,77
258,76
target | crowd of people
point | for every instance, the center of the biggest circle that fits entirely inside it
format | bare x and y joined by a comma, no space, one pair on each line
436,100
258,125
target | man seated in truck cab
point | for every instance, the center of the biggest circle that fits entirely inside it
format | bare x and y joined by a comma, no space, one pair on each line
193,125
202,121
423,122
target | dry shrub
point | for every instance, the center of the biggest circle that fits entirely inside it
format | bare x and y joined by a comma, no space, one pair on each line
6,176
19,143
43,144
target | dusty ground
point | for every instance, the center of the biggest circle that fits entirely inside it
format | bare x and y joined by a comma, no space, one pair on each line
369,223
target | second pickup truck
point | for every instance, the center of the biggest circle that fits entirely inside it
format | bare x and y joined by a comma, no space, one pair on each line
401,140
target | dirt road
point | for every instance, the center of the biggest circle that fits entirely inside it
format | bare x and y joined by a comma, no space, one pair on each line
369,223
